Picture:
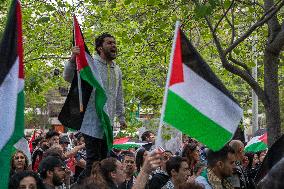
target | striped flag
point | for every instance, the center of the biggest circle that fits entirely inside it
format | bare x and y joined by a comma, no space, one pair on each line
196,102
11,89
70,115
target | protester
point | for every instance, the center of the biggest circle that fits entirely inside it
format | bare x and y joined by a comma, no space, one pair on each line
38,153
252,164
128,161
151,162
191,153
274,178
25,180
178,170
52,171
140,157
160,176
80,157
108,173
198,169
240,178
52,138
189,185
220,166
110,73
19,162
149,137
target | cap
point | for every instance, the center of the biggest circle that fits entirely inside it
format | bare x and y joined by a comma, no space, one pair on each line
64,140
49,163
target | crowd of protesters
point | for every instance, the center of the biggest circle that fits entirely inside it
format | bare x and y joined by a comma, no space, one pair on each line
59,159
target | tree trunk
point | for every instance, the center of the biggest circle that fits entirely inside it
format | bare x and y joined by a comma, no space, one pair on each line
271,89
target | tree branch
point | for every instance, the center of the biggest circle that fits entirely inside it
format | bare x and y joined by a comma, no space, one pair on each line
244,66
273,23
47,57
234,69
223,16
268,15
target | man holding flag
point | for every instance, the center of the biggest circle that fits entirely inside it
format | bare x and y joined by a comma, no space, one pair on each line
106,79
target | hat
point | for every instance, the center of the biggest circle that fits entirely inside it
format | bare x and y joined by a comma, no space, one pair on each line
49,163
64,140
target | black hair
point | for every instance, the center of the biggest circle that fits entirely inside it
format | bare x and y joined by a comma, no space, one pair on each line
127,153
188,149
139,158
100,40
214,156
51,134
174,163
15,180
146,135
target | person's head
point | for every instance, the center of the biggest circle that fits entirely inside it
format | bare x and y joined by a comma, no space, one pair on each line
25,180
238,147
52,137
274,178
19,161
166,156
148,136
110,169
140,157
64,142
106,46
43,144
52,170
81,139
262,155
222,162
191,153
55,151
178,169
252,159
128,161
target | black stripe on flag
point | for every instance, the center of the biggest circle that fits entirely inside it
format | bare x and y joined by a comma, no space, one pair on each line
8,44
70,115
195,62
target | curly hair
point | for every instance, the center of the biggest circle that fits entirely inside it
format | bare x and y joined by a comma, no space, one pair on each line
100,40
15,180
26,160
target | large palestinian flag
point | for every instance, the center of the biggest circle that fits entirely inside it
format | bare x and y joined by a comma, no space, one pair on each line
196,102
70,115
11,89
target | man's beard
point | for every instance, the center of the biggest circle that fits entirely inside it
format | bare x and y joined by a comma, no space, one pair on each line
109,54
56,180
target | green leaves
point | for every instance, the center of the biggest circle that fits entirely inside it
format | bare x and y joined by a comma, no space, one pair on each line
43,19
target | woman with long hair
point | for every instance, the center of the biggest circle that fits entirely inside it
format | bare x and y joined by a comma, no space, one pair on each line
191,153
19,162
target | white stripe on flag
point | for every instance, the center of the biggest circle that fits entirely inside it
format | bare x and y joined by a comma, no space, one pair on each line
8,104
210,101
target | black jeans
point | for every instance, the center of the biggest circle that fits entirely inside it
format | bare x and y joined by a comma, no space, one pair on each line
96,150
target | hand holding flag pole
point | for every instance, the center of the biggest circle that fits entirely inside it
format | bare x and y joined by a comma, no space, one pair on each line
78,74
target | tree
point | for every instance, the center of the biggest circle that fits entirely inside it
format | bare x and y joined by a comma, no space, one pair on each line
269,94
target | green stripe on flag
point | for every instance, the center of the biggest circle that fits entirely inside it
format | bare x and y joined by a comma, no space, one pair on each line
8,149
256,147
190,121
100,99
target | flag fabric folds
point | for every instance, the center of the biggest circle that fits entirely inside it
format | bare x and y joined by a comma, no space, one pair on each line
196,102
70,115
257,144
11,89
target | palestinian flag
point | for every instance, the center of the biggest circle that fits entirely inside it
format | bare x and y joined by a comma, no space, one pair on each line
257,144
11,89
126,143
70,115
196,102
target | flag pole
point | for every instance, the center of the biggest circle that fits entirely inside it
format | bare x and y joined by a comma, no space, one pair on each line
78,73
159,135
